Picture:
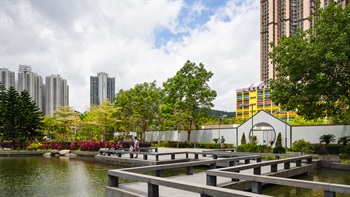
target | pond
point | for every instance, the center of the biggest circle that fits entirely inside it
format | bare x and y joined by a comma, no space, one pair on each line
40,176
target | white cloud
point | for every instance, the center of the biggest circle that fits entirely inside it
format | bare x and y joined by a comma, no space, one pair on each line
77,39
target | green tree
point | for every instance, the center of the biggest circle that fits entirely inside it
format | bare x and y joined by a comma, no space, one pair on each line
11,110
30,117
327,139
65,119
243,140
188,97
2,112
312,67
140,106
104,116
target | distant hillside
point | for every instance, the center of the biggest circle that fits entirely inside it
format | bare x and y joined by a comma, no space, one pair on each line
216,113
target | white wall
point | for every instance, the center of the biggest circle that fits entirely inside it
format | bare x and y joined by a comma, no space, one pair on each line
313,133
308,133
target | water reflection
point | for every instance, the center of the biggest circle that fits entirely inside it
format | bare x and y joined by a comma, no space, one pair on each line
39,176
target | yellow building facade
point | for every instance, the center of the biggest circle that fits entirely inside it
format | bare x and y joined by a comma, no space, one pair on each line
256,97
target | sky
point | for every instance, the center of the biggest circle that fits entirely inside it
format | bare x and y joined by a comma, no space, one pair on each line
134,41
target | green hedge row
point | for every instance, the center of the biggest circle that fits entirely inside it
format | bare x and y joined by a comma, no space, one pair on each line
333,149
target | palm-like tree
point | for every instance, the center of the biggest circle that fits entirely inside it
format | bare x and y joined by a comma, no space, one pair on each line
344,140
327,138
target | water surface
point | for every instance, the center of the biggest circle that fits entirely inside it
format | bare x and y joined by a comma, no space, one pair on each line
40,176
319,175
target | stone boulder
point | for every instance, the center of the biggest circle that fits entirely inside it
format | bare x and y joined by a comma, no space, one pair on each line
55,153
64,152
47,154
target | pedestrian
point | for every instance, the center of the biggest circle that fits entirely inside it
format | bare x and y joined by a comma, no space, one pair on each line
222,143
131,148
137,146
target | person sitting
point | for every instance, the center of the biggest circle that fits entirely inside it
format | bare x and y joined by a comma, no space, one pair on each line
118,146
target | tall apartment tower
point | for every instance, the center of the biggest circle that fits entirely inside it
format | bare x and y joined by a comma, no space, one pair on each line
7,78
32,83
101,87
283,17
56,93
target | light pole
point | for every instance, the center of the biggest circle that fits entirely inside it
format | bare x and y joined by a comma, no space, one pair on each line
252,123
220,118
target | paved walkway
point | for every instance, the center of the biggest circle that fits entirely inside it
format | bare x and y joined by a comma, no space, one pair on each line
141,188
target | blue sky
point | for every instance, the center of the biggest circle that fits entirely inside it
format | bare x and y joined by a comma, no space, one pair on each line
134,41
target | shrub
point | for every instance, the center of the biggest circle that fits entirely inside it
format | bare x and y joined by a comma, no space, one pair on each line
322,151
243,140
344,140
279,140
253,148
279,149
327,139
333,149
301,146
344,156
34,146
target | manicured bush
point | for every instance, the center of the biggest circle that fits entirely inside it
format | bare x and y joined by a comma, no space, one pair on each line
253,148
279,149
279,140
243,140
333,149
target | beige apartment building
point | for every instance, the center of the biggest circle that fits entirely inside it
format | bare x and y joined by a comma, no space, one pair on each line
283,17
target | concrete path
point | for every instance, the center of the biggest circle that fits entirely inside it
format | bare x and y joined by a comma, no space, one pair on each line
198,178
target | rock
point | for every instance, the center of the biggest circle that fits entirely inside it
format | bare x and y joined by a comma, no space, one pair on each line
47,154
64,152
54,153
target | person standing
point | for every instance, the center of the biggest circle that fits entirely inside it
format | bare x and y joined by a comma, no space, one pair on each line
222,143
136,146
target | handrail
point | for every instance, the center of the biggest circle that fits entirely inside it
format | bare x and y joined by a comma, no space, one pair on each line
187,164
283,181
267,163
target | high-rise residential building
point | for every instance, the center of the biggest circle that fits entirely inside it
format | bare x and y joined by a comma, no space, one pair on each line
56,93
7,78
277,18
32,83
101,87
283,17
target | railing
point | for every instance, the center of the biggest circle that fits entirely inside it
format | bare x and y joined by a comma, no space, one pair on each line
257,179
155,182
157,155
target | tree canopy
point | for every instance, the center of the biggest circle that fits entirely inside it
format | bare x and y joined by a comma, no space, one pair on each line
140,106
20,118
313,67
188,97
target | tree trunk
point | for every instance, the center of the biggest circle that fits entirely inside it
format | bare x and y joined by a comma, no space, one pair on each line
188,135
142,136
